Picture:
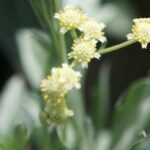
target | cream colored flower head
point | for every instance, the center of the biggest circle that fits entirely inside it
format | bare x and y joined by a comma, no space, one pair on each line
141,31
52,89
70,18
84,51
62,79
55,114
67,76
93,30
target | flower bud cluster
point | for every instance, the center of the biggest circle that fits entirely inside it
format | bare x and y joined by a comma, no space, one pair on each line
55,113
62,79
91,31
54,89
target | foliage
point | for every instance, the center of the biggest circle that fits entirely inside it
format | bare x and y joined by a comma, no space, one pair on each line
21,103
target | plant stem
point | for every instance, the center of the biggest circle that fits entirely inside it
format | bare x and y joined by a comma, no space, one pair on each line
74,64
73,34
52,33
63,48
116,47
56,5
49,26
61,37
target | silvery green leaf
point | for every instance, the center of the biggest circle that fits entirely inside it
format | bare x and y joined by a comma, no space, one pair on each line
131,115
34,55
11,99
100,99
103,140
75,102
17,106
143,145
68,135
89,133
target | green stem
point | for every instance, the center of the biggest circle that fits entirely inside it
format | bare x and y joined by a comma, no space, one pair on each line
63,48
48,20
116,47
52,33
74,64
56,5
61,37
73,34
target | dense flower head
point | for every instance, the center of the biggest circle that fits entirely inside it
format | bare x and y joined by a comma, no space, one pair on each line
52,89
83,51
141,31
70,18
55,114
62,80
93,30
67,76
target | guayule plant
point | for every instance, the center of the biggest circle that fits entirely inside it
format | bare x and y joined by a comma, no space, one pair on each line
76,39
86,33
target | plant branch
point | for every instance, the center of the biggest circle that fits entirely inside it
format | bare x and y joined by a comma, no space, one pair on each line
116,47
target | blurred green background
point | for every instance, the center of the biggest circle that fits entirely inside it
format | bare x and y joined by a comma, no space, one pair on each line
126,66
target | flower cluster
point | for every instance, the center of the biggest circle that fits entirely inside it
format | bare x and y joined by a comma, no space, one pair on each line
62,79
141,31
55,113
91,31
54,89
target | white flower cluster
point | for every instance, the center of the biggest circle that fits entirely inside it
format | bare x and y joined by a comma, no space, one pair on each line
54,89
62,79
84,47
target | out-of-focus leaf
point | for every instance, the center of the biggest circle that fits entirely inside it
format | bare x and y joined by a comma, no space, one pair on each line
139,140
34,49
14,141
68,135
17,106
100,99
131,116
89,134
143,145
45,139
103,140
43,10
11,99
79,127
76,103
